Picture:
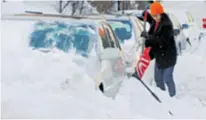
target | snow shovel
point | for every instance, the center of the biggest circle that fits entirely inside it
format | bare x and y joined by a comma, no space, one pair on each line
144,59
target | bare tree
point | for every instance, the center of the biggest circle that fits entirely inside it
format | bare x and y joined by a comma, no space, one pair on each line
81,7
75,5
60,6
102,6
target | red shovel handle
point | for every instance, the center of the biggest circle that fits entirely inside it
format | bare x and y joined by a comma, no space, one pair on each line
145,15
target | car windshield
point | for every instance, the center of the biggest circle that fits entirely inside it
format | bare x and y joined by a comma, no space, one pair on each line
63,36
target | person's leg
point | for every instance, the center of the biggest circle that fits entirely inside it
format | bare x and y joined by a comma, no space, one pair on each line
159,78
168,78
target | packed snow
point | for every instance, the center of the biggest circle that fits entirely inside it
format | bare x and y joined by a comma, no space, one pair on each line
55,84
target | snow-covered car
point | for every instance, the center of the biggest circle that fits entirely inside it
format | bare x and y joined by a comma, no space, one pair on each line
127,28
112,70
82,36
190,28
193,30
180,38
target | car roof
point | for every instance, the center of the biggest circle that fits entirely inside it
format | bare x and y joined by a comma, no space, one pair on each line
51,17
107,16
131,12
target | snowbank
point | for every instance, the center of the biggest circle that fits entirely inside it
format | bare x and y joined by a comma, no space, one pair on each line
55,84
52,85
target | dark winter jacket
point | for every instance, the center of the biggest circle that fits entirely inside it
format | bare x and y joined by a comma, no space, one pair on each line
162,42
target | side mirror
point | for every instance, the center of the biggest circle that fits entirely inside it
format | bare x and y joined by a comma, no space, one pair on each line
185,26
176,32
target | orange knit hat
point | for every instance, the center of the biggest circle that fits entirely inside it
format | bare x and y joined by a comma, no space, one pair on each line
156,8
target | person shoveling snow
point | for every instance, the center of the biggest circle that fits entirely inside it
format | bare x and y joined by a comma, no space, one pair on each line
160,44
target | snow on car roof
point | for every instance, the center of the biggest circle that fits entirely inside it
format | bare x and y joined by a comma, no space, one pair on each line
107,16
50,17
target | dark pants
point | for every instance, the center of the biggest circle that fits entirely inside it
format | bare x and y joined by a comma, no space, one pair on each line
165,76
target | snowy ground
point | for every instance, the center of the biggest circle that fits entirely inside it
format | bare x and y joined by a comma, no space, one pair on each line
53,85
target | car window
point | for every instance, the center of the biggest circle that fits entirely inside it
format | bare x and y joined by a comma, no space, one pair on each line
114,40
104,37
122,28
190,18
125,23
63,36
109,37
109,40
115,37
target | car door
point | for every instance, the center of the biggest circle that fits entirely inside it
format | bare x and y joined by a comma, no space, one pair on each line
112,65
135,52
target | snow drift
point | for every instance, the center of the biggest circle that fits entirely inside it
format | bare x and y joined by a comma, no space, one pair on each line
50,85
53,85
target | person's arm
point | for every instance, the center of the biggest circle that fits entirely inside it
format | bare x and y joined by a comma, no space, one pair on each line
149,17
163,39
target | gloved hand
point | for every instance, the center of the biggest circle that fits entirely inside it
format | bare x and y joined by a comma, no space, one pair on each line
144,34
